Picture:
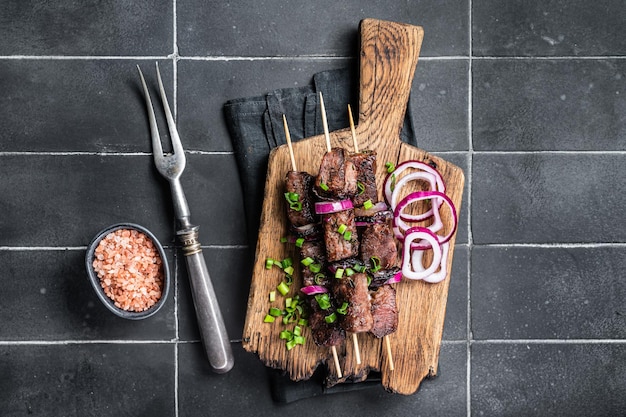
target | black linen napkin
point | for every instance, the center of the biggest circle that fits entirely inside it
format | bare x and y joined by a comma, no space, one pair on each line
255,125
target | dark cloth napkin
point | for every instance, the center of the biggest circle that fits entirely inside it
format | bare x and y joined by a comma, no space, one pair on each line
256,126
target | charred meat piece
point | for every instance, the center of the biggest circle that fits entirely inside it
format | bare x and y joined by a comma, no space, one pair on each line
300,208
365,164
324,333
353,290
313,274
378,241
384,311
340,235
337,177
380,277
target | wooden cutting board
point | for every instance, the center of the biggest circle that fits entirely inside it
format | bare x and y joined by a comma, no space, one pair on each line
388,56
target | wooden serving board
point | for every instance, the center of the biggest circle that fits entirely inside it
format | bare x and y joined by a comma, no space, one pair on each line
389,54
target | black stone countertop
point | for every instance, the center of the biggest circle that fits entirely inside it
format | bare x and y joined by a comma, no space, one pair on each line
528,97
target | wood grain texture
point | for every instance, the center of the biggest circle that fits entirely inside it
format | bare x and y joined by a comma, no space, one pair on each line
389,54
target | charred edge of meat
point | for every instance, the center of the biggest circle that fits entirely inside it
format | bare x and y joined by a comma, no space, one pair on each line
384,311
379,278
379,217
301,183
310,232
365,163
337,177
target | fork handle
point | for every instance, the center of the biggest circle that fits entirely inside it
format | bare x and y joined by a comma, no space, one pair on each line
211,324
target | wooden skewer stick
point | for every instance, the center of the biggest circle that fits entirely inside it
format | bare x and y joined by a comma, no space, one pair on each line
336,359
357,352
325,123
353,130
288,136
389,357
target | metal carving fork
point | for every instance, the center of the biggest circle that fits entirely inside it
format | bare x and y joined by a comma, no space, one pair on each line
171,166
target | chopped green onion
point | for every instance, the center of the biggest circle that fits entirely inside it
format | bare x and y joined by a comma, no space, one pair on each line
294,201
291,344
359,268
275,312
286,335
299,242
297,331
315,268
375,263
283,240
286,262
307,261
323,186
341,229
349,272
343,309
368,205
289,270
360,187
269,319
331,318
288,279
303,322
393,182
347,235
268,263
323,300
272,296
283,288
319,277
288,302
299,340
339,273
390,167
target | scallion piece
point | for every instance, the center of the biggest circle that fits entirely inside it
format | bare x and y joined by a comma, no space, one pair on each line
343,309
299,340
303,322
323,186
347,235
360,187
307,261
315,268
291,344
349,272
276,312
323,300
375,263
331,318
272,296
339,273
288,302
390,167
368,205
286,262
319,278
286,335
341,229
268,263
269,319
299,242
289,270
283,288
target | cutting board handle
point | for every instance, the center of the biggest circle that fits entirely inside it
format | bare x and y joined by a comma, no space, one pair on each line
389,53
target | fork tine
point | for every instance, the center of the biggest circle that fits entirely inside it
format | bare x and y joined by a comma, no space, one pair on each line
171,125
157,150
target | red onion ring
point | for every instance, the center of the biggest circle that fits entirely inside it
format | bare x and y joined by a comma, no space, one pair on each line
327,207
437,276
401,228
313,289
421,233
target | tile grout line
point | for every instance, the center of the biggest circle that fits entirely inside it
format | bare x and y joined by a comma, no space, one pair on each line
470,158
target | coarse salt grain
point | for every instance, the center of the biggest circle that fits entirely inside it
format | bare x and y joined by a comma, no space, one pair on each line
130,269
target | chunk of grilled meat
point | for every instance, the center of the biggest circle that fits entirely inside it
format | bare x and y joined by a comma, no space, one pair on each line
324,333
340,245
353,290
365,164
384,311
300,183
337,177
377,240
315,250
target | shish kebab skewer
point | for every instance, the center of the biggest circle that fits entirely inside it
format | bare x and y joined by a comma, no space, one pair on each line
300,182
377,240
337,178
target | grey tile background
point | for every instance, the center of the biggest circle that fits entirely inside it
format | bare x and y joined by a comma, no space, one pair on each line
527,97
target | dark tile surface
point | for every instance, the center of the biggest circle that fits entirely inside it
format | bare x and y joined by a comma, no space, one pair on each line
527,97
548,28
540,379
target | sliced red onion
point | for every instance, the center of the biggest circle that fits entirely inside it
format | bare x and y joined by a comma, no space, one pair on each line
397,277
423,167
418,234
313,289
438,275
327,207
401,228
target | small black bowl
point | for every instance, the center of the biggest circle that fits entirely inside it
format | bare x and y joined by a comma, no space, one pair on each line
95,281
